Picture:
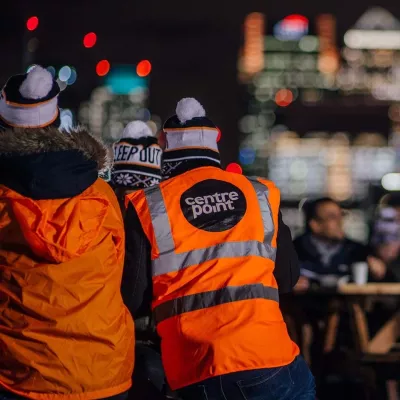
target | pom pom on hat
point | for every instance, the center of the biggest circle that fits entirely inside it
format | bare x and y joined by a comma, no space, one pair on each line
188,109
37,84
137,130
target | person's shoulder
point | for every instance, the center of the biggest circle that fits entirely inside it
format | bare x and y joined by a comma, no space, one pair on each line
301,238
301,241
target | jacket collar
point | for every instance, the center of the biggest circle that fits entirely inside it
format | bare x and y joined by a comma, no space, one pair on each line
189,165
48,163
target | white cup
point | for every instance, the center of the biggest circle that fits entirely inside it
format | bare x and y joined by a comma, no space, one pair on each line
360,273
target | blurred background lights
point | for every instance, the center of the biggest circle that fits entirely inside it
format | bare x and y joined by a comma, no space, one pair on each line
102,68
72,79
143,114
247,156
153,126
62,84
33,44
89,40
293,27
235,168
391,181
52,70
308,43
66,119
283,97
123,80
32,23
219,135
65,73
143,68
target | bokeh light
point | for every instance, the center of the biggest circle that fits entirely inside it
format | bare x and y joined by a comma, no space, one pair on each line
235,168
65,73
102,68
89,40
219,135
32,23
72,79
33,44
283,97
52,70
247,156
143,114
143,68
66,119
62,85
30,68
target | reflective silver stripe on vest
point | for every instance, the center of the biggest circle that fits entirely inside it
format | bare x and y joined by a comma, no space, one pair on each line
266,212
213,298
171,261
159,219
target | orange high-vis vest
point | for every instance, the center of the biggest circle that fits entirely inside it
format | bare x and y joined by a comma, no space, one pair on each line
215,298
64,330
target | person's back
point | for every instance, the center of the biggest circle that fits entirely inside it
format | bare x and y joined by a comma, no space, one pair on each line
213,239
64,331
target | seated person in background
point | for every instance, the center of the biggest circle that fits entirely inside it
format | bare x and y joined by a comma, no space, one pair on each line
385,241
324,252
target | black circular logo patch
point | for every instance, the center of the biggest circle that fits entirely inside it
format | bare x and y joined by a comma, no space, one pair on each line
213,205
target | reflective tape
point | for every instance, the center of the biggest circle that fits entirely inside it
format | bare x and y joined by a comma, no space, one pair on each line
266,212
171,261
159,219
213,298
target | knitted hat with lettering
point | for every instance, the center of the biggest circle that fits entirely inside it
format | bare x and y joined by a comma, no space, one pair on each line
190,136
137,158
30,100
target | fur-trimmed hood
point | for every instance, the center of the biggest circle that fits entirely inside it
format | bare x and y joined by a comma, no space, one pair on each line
34,141
48,163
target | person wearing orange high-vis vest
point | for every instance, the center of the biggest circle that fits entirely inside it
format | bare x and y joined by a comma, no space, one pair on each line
214,247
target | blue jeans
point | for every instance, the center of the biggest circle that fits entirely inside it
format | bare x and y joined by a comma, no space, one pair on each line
292,382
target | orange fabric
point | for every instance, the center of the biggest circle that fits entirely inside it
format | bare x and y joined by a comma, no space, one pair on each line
230,337
64,330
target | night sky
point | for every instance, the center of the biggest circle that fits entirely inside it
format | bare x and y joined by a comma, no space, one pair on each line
193,45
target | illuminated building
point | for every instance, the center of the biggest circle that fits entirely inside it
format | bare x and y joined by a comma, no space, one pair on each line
323,120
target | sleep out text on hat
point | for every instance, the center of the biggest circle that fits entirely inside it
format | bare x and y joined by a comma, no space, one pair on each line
137,154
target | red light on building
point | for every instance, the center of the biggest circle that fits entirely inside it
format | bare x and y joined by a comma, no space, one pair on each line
89,40
296,19
283,97
32,23
102,68
235,168
143,68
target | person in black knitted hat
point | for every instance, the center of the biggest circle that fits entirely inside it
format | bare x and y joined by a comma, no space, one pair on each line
137,158
191,139
30,101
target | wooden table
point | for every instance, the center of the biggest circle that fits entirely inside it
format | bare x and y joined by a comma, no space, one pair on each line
375,350
386,337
